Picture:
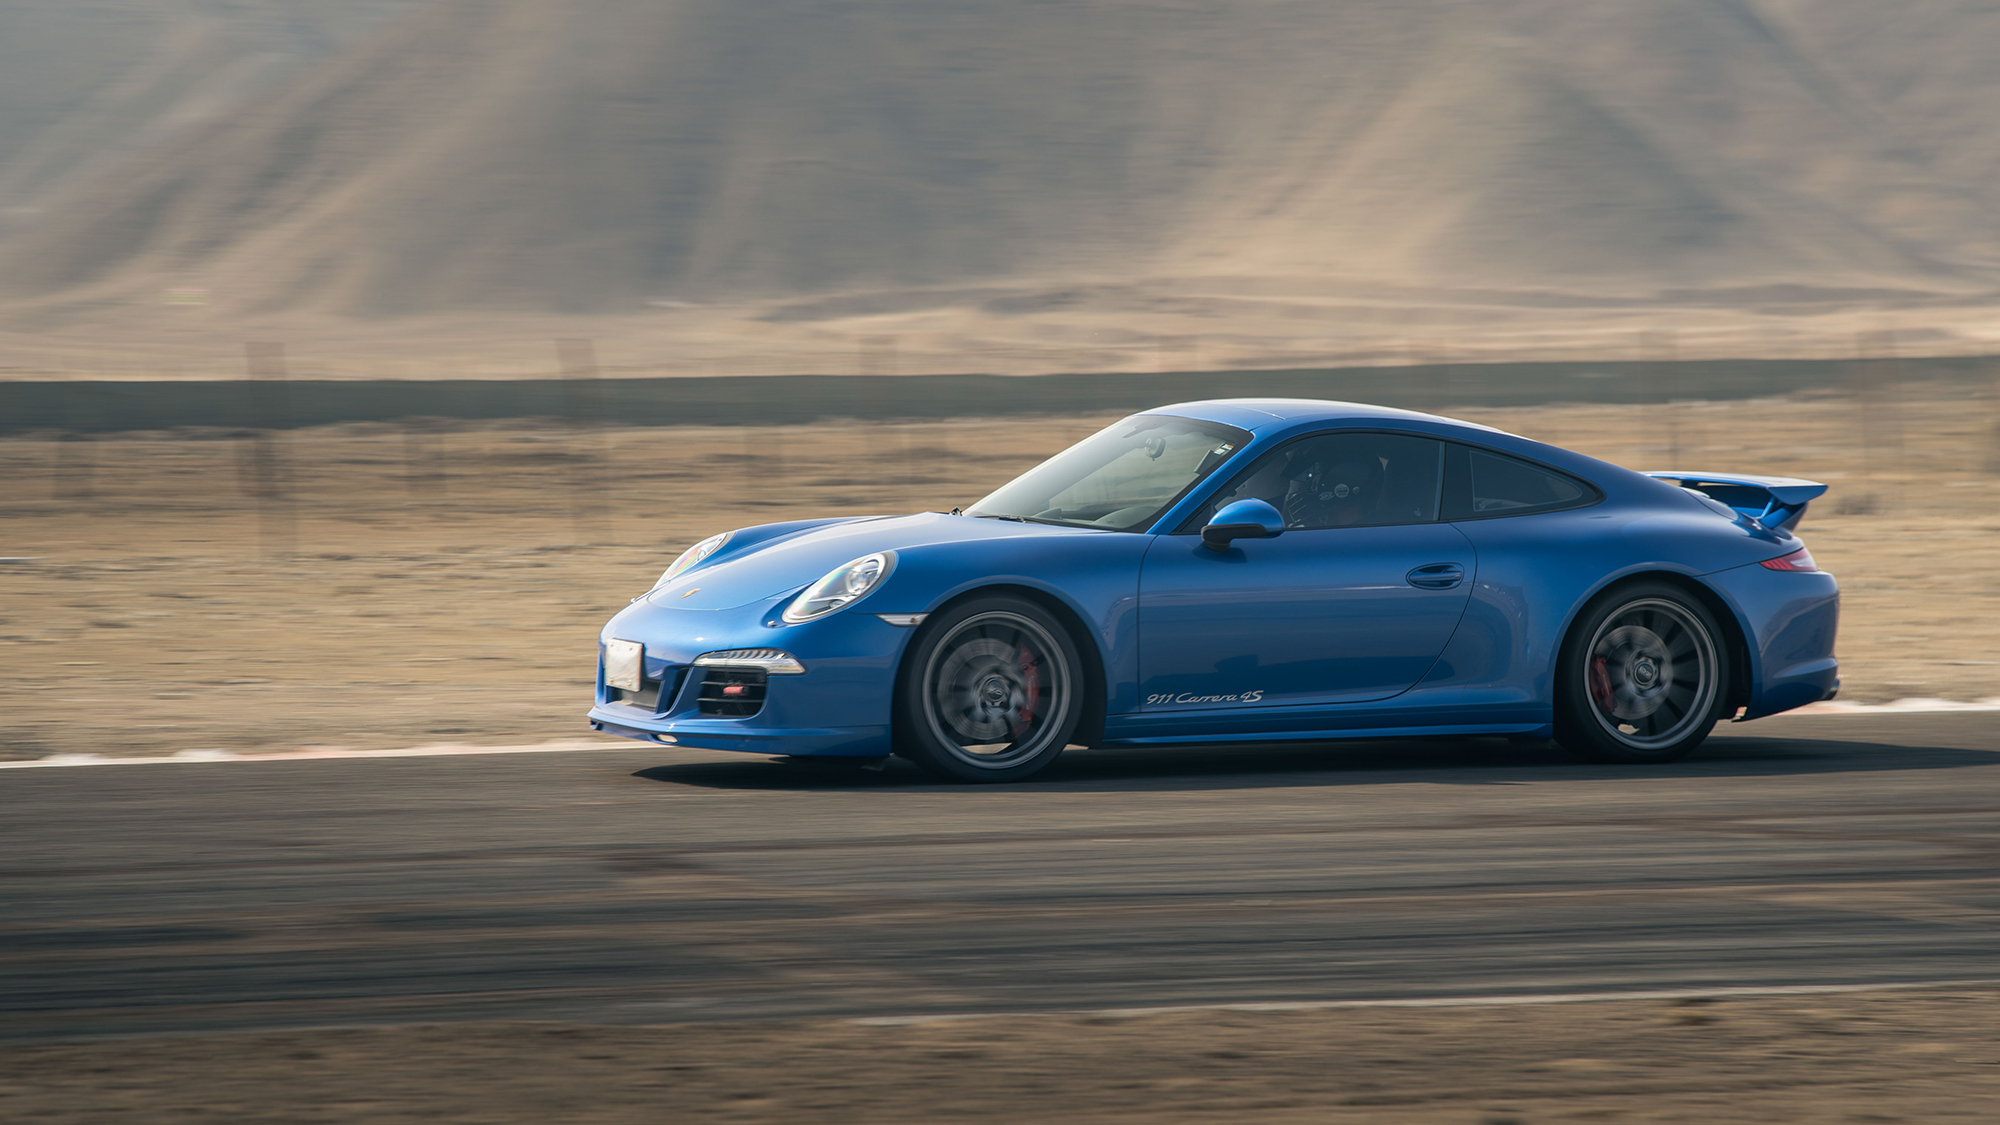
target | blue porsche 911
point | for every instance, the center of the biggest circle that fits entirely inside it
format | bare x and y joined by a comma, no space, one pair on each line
1239,570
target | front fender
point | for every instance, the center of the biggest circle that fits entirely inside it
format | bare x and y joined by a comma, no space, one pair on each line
1094,575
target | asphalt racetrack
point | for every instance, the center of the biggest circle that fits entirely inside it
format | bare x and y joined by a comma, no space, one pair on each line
642,885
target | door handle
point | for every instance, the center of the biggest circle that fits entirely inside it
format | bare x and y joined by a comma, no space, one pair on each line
1436,576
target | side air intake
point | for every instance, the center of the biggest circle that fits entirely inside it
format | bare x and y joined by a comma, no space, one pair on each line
732,693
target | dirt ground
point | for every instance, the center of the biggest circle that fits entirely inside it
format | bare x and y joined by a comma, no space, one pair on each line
422,584
381,585
1873,1057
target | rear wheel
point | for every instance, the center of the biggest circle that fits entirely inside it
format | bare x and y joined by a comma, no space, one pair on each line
1641,676
991,691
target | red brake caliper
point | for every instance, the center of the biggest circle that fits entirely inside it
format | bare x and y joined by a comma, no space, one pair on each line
1031,676
1600,684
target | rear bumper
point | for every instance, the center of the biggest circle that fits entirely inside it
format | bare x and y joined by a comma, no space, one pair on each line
1790,622
1796,688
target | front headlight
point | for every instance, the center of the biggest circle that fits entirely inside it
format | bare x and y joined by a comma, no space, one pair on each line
846,585
691,556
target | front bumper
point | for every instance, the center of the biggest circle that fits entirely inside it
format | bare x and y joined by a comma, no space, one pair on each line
713,734
838,708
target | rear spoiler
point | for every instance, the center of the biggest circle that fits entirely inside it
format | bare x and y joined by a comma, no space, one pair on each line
1775,502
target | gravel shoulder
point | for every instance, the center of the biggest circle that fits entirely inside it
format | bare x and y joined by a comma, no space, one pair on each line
1872,1057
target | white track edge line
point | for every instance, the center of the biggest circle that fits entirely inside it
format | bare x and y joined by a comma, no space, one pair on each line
1725,993
186,756
1916,706
1899,707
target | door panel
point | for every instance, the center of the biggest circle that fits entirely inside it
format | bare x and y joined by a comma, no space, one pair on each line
1322,616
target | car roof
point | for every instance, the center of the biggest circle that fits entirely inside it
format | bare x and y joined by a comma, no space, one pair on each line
1257,414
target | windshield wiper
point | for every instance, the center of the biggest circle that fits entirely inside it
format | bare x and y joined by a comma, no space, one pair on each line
1023,519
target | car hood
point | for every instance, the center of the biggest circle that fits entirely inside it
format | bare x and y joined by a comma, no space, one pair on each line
783,565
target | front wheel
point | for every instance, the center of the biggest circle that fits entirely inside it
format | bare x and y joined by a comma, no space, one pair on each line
990,691
1642,677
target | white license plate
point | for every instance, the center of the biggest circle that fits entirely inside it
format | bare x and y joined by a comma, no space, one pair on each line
623,662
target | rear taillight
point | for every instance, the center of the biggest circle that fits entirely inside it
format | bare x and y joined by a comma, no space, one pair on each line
1800,559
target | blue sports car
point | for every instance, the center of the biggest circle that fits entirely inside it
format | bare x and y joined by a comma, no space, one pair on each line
1237,570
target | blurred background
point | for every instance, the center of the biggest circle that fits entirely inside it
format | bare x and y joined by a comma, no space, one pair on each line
400,188
366,356
359,359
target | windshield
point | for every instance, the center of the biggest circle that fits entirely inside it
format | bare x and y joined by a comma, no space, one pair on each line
1120,478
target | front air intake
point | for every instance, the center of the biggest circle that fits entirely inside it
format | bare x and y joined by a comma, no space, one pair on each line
653,696
732,693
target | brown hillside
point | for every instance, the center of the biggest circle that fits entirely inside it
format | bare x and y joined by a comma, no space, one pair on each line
85,86
592,156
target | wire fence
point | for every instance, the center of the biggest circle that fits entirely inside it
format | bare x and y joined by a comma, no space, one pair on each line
573,416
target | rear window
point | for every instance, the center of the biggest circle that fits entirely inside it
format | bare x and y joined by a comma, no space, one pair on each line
1483,484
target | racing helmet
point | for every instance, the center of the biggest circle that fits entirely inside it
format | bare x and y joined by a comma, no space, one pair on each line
1332,495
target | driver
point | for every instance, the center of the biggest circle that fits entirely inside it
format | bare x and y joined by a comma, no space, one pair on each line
1337,495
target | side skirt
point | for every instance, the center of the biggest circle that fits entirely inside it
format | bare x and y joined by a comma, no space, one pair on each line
1527,730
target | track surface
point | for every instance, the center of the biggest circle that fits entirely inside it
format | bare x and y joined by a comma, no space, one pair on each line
645,885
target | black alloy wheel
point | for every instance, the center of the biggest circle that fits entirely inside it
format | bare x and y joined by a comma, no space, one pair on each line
1643,676
991,690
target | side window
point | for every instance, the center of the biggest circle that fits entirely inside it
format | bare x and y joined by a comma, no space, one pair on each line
1341,480
1480,483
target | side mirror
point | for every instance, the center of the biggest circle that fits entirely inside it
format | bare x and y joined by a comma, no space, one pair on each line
1244,519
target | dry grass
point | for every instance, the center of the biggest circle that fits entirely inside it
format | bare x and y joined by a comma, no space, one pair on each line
418,586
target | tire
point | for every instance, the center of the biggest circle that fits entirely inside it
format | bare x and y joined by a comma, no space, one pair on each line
992,690
1643,676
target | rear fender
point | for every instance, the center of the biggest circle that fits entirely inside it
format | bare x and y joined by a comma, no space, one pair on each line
1792,623
1743,659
